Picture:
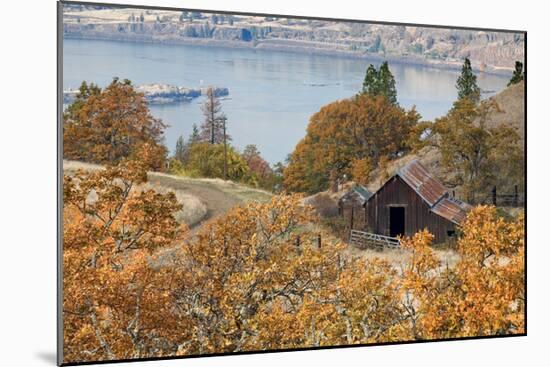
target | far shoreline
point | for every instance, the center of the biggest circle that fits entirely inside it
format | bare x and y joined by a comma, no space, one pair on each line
288,48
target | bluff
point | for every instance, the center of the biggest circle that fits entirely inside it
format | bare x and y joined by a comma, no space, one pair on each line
439,47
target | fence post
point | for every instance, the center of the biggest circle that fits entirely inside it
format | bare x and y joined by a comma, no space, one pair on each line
516,195
319,241
298,241
494,192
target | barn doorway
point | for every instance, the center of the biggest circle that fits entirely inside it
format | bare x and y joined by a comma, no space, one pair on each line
397,221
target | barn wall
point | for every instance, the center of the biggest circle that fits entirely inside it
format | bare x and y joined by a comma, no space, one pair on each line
417,213
359,219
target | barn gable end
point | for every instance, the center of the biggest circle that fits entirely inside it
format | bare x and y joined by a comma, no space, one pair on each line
411,201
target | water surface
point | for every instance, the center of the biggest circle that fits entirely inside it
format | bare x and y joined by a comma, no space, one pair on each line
272,94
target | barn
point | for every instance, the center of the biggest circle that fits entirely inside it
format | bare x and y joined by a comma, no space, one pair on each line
410,201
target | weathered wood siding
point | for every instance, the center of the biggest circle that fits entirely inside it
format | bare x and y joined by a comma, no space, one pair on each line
417,213
353,206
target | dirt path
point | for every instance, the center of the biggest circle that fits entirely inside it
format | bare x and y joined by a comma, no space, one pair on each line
216,200
218,196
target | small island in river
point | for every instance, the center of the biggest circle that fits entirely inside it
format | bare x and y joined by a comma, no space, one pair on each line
158,93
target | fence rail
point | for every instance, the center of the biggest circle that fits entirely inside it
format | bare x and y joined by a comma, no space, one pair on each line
365,240
515,199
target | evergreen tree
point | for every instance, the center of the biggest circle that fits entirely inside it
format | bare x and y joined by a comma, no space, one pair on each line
195,136
518,74
386,83
466,83
179,154
380,82
370,83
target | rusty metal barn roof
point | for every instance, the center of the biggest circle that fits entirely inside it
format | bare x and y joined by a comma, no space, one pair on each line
419,179
451,209
432,192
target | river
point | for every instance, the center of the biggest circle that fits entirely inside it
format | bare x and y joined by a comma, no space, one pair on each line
272,94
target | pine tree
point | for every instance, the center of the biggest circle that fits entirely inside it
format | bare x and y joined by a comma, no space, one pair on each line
386,83
466,83
195,136
380,82
518,74
214,119
370,83
181,148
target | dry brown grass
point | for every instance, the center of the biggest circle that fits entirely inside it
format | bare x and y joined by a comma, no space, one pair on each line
193,210
397,257
202,198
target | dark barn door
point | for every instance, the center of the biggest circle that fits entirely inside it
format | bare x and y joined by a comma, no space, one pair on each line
397,221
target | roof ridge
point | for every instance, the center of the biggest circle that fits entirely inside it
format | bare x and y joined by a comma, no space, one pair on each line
425,177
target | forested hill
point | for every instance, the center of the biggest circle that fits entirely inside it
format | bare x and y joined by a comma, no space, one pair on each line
490,51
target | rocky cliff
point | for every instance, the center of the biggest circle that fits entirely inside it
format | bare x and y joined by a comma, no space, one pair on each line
489,51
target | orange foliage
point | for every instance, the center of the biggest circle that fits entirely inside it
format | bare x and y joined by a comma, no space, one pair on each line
106,126
360,128
483,294
116,305
257,278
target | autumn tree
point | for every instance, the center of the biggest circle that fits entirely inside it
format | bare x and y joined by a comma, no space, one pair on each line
105,126
466,83
343,132
380,82
261,277
477,155
250,271
115,303
258,166
213,126
483,294
360,170
518,74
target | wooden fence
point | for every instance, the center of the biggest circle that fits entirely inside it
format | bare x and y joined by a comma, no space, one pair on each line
514,199
365,240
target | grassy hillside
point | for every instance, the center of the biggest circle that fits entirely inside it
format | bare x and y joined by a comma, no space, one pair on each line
203,198
511,102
